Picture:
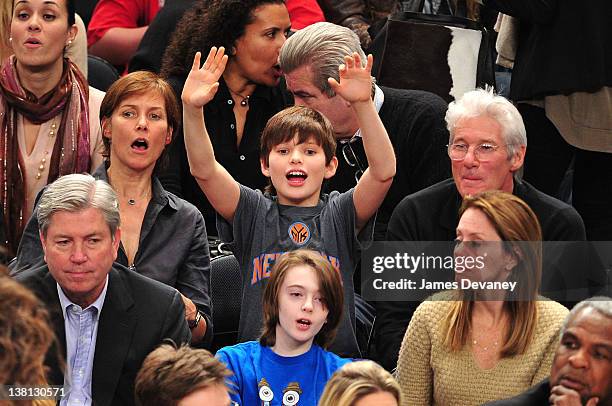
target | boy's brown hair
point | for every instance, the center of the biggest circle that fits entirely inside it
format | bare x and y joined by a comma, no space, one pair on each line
300,121
330,286
169,374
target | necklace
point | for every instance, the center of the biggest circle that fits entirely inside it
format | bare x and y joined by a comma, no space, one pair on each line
132,201
245,99
43,161
486,347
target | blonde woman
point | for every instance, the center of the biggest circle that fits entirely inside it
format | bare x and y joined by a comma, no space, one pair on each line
361,383
476,348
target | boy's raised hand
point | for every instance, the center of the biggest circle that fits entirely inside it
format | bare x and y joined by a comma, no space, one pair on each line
202,83
355,82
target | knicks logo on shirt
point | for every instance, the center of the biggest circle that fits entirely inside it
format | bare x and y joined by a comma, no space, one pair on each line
299,233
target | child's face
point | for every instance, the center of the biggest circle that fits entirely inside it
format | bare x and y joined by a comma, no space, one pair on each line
301,309
297,171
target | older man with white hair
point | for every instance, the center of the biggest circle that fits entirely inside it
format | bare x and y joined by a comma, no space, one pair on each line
487,147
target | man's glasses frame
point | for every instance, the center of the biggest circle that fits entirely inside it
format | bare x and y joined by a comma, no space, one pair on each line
482,152
351,158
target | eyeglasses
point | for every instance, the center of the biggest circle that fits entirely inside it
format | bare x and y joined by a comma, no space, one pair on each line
351,158
483,152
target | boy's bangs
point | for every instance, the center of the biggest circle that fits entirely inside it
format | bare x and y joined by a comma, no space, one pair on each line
303,122
304,130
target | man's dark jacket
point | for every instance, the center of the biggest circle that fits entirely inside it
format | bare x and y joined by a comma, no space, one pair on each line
537,395
414,120
137,315
432,215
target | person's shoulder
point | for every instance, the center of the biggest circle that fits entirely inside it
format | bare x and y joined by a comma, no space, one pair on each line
534,396
336,202
33,276
182,206
418,99
96,96
335,195
551,212
437,306
530,194
40,281
240,350
255,196
431,196
551,314
331,358
142,287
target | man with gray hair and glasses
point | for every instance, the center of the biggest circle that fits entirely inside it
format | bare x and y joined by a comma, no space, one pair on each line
486,149
581,372
413,119
107,318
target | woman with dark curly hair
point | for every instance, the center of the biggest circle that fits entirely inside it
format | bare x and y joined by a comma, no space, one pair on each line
250,92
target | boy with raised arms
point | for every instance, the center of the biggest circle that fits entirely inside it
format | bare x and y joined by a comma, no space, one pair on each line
297,154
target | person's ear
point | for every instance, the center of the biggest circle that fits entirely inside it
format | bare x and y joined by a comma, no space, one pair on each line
72,33
116,241
518,159
512,258
169,136
331,167
265,169
106,128
43,242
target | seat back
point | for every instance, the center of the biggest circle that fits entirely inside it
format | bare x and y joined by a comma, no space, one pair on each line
101,73
226,298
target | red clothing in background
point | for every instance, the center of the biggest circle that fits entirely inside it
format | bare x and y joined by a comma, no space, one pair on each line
302,13
121,13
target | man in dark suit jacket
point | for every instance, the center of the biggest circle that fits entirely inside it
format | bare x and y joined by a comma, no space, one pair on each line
107,318
581,372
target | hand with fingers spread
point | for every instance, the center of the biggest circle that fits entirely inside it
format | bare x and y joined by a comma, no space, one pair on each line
355,81
563,396
202,83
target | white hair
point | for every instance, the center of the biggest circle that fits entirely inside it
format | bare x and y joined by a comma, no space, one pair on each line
76,192
484,102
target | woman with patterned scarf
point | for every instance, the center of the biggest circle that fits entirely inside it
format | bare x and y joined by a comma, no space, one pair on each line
48,113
